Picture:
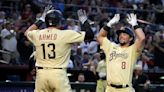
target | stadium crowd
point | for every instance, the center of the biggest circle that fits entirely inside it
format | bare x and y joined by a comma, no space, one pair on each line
14,20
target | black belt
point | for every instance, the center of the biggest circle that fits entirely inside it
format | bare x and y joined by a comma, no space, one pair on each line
47,68
119,86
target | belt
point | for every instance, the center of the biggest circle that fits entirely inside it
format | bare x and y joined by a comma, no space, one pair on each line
119,86
47,68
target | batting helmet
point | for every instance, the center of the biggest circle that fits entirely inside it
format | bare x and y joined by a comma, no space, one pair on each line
128,31
53,18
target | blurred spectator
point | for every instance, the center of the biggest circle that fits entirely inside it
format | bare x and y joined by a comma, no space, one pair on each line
143,61
159,47
101,73
70,64
93,47
140,80
0,41
80,78
39,3
95,28
27,14
77,59
74,48
2,17
85,60
72,25
9,43
104,18
149,39
159,13
94,13
25,47
92,64
84,46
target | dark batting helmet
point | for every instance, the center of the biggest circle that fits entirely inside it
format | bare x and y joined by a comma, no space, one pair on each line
128,31
53,18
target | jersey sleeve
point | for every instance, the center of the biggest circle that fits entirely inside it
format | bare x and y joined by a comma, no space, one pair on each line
73,36
106,44
137,53
31,35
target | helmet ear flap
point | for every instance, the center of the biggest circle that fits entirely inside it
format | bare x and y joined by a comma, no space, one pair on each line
50,22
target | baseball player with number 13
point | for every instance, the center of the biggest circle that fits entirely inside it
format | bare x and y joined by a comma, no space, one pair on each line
53,48
121,57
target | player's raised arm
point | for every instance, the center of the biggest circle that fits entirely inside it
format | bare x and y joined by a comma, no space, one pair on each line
40,21
104,31
140,36
85,25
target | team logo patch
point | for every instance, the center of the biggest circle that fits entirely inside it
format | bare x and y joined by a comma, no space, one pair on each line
114,55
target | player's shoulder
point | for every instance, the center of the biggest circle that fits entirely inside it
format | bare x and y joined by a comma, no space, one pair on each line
113,43
72,31
68,30
46,30
32,32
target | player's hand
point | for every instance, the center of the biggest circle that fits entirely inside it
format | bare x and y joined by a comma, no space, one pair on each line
114,20
132,19
82,15
47,9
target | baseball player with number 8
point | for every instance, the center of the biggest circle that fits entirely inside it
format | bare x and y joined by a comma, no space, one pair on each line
53,48
121,57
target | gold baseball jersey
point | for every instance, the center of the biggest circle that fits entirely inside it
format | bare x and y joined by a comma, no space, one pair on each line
120,62
53,46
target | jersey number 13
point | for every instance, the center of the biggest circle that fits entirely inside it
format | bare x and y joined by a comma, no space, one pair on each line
51,54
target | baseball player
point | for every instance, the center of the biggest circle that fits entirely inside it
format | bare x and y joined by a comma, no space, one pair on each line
121,57
53,48
101,72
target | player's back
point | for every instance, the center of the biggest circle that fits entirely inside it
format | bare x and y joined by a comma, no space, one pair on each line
53,47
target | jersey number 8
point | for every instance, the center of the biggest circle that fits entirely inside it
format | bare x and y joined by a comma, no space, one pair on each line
123,66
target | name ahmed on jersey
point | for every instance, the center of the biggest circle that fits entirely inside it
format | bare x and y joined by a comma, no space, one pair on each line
47,36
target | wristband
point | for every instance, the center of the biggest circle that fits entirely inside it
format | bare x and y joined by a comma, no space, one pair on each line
136,26
106,28
38,23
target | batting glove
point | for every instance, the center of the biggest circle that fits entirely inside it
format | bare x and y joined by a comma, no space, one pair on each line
46,10
132,19
114,20
82,15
